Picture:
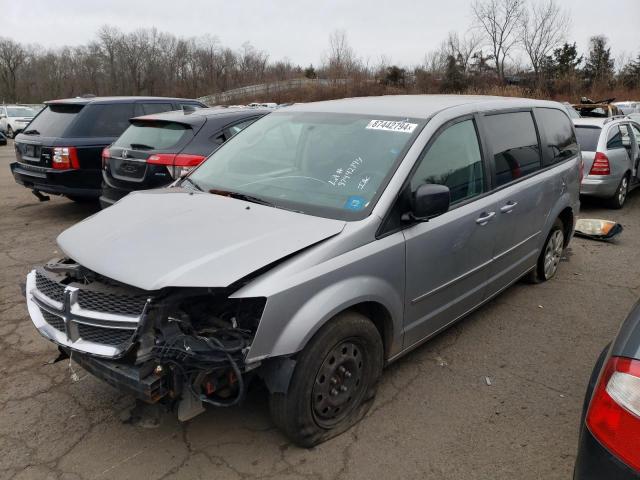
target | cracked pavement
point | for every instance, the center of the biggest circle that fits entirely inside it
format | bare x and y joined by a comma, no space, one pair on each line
436,416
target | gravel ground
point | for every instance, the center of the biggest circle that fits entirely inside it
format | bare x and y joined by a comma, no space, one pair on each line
435,415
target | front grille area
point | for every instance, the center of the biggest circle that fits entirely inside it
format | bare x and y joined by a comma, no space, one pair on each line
105,336
54,320
49,288
100,317
108,302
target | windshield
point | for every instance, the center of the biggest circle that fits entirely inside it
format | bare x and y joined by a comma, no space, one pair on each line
20,112
152,135
325,164
588,138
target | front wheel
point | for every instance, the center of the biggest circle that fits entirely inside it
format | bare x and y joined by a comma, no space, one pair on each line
334,382
550,256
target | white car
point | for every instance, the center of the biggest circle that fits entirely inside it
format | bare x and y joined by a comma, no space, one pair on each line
14,118
628,107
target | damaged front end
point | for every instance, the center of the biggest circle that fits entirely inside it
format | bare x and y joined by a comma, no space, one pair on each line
180,346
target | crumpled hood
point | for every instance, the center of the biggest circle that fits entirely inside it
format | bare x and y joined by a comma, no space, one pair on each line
172,237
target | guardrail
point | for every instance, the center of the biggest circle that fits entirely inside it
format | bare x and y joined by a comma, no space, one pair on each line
266,88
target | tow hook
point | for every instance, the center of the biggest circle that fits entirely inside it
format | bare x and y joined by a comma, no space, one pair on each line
42,197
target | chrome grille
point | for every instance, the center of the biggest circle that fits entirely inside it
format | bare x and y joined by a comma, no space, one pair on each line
105,336
49,288
108,302
54,320
103,321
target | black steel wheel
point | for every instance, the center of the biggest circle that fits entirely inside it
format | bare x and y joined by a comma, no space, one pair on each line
338,386
334,381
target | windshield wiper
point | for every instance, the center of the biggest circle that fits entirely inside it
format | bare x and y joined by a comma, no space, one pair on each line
195,185
141,146
31,131
241,196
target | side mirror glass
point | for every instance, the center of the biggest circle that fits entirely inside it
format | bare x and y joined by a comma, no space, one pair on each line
428,201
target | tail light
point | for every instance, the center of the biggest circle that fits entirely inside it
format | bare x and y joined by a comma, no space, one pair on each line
65,158
178,165
106,154
614,412
600,165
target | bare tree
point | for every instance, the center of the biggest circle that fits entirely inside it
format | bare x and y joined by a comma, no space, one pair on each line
544,27
499,21
462,49
12,57
341,59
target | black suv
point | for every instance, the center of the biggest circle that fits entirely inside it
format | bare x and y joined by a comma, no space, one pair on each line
59,151
157,149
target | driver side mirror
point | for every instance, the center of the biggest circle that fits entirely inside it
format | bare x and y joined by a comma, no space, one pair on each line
2,115
428,201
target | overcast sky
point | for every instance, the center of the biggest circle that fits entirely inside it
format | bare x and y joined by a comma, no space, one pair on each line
403,31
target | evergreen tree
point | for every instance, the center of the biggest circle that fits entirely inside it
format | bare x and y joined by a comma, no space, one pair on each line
598,68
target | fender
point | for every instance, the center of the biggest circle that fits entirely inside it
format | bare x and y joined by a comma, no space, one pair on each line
317,310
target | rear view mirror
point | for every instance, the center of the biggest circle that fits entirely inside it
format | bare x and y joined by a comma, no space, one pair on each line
428,201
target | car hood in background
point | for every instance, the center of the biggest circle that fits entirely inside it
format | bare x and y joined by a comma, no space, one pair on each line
172,237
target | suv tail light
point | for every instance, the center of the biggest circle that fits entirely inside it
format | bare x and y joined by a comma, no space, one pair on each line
614,412
178,165
600,165
106,154
65,158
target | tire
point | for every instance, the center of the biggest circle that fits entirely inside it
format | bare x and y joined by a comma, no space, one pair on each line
334,381
10,132
617,201
550,255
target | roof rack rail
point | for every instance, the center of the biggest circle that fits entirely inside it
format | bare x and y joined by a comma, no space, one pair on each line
615,117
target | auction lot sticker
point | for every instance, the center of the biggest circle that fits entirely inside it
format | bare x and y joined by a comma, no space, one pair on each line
391,126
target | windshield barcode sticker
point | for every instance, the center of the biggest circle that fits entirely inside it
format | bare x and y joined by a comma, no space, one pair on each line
391,126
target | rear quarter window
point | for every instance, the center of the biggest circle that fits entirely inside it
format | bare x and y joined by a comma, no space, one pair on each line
103,120
53,120
561,141
588,137
514,142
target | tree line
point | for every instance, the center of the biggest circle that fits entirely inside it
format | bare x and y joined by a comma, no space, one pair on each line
521,42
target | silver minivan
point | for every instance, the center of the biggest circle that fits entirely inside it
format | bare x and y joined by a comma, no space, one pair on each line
611,154
314,248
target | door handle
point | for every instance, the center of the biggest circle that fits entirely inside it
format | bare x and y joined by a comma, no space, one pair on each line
485,217
508,207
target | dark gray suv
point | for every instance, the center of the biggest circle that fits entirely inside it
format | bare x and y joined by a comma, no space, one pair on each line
317,245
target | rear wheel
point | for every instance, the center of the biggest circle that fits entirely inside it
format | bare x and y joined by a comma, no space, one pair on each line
617,201
334,382
550,256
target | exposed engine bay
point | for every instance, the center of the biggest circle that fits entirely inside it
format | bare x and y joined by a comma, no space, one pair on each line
179,346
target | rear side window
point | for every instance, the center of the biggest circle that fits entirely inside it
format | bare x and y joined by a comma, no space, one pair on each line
614,138
108,120
588,137
515,145
151,108
562,142
143,135
238,127
453,160
53,120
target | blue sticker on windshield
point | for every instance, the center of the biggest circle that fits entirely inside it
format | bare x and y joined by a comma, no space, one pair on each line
355,202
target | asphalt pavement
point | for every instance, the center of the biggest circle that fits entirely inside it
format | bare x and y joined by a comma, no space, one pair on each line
497,396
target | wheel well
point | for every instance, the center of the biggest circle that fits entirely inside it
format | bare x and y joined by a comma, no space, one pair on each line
566,217
381,318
